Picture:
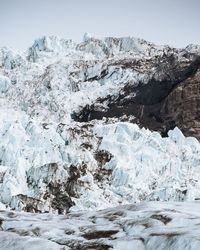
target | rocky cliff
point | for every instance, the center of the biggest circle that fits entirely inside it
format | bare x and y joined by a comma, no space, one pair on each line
168,99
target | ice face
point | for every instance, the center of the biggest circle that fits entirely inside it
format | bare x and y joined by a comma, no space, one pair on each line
47,158
109,164
49,44
56,78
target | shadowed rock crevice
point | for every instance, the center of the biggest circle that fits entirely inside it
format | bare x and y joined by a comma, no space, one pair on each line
169,99
99,234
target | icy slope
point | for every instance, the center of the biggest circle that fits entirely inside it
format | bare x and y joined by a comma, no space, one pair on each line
149,226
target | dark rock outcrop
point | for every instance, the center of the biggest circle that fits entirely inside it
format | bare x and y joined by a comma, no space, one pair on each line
182,107
170,98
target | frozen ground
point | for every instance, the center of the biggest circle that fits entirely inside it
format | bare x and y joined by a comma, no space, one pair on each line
150,226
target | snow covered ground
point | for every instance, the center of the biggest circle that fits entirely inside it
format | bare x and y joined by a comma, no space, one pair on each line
148,225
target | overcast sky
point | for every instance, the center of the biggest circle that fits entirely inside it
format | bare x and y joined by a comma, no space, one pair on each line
173,22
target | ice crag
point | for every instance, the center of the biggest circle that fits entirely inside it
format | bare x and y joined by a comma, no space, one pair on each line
80,166
57,77
58,153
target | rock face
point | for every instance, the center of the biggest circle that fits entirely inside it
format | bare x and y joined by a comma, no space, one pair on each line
182,107
167,101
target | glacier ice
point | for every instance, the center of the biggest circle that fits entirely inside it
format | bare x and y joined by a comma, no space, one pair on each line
55,77
46,157
117,185
114,163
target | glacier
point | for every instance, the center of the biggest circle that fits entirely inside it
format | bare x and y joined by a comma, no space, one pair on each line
115,163
52,163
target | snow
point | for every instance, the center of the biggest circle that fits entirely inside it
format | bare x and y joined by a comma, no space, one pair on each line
193,48
148,225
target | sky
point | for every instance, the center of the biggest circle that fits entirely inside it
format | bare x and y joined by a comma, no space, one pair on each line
173,22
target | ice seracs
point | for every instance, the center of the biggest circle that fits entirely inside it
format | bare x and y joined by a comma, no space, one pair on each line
56,78
52,163
92,165
49,44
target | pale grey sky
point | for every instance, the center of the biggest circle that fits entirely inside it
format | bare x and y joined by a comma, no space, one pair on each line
173,22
